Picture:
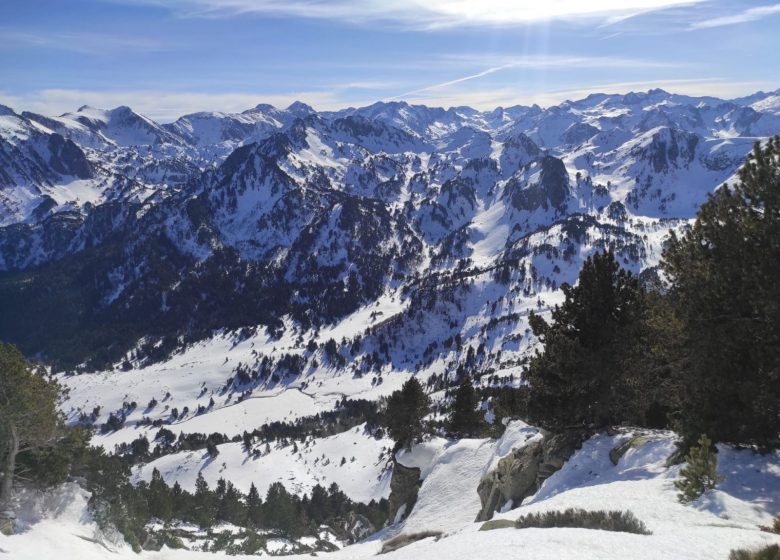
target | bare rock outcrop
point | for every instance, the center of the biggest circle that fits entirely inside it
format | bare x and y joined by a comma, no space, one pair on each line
522,472
404,486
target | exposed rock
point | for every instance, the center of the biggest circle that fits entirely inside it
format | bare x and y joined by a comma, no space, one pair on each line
6,526
557,450
522,472
353,527
404,486
548,190
497,524
514,478
405,539
616,453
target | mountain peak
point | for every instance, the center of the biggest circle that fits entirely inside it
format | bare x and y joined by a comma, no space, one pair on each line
300,108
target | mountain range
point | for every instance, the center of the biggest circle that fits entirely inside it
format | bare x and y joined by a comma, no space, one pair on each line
121,235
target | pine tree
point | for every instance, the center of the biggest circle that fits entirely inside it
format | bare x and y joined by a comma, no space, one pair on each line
465,419
404,415
254,506
724,291
160,498
231,508
700,473
281,511
204,502
28,419
579,378
179,501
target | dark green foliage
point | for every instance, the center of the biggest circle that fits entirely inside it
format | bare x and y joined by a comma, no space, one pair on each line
230,504
404,415
204,502
621,521
29,421
505,403
253,543
51,465
774,527
771,552
160,498
285,508
581,375
725,293
700,473
254,507
465,419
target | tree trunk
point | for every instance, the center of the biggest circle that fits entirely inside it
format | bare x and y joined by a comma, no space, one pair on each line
7,482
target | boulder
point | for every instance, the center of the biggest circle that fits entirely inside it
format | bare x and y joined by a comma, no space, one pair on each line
514,478
556,450
522,472
353,527
616,453
404,486
497,524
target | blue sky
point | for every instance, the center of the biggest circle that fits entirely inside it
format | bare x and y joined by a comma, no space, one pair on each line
169,57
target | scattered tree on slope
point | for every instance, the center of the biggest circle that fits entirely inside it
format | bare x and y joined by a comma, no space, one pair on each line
404,415
465,419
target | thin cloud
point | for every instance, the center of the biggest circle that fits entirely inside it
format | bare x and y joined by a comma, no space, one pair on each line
537,63
751,14
422,14
97,44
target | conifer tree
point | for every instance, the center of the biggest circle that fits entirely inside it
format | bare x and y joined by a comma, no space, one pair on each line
404,415
465,419
254,506
204,502
160,498
281,511
28,419
578,379
724,291
700,473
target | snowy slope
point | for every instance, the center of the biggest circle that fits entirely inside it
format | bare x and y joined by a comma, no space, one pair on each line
709,528
363,477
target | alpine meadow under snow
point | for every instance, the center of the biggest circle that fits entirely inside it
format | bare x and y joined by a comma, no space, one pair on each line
232,298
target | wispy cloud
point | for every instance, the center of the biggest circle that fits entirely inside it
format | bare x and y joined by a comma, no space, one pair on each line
97,44
535,63
422,14
751,14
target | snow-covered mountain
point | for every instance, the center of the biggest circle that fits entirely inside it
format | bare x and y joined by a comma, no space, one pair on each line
274,217
233,270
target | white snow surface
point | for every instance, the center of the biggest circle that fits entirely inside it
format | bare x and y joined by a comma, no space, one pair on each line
363,477
720,521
